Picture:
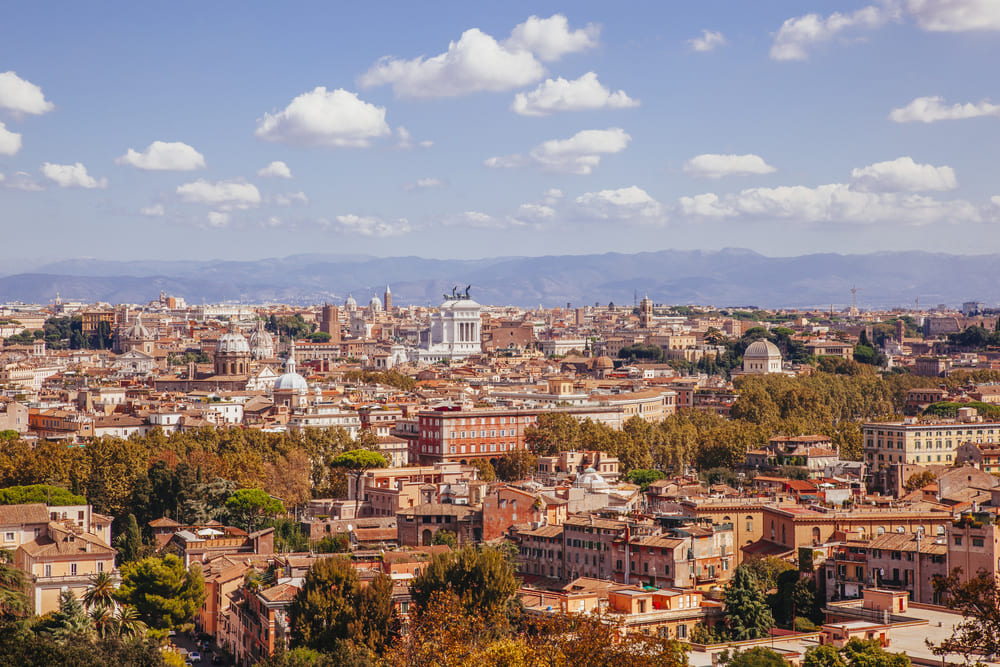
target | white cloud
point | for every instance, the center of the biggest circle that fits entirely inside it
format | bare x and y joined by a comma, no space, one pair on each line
152,211
902,175
710,165
371,225
550,39
406,142
533,214
708,41
223,194
21,180
476,62
218,218
955,15
164,156
273,221
796,35
291,199
631,204
22,96
581,94
10,142
836,202
336,118
579,154
552,196
425,184
931,109
276,169
72,176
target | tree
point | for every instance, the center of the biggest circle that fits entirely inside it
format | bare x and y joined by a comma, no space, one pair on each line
250,507
515,465
919,480
485,470
129,543
644,477
355,462
482,579
14,602
445,537
823,656
978,601
39,493
164,593
101,592
333,608
746,607
869,653
69,623
333,544
758,656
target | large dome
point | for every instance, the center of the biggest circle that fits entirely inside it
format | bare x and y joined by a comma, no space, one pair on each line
232,342
350,304
137,331
291,380
261,342
762,349
375,304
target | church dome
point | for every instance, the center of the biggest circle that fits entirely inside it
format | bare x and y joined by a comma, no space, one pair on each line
137,331
375,304
592,480
261,342
290,380
762,349
604,363
232,342
350,304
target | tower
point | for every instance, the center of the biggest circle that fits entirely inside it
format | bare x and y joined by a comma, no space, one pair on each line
387,300
645,312
330,322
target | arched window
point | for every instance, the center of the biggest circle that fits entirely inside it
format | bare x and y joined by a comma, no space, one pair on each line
880,530
816,534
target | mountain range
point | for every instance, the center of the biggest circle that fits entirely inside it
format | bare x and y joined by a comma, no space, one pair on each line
728,277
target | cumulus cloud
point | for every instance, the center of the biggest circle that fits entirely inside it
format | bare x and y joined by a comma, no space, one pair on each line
955,15
551,39
276,169
336,118
425,184
580,154
478,62
222,194
708,41
931,109
152,211
405,140
164,156
836,202
291,199
218,218
72,176
21,96
10,142
370,225
711,165
903,175
796,35
631,204
585,93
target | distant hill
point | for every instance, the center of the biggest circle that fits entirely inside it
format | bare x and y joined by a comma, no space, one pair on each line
731,277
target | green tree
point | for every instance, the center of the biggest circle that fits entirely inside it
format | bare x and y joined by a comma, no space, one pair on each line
39,493
869,653
446,537
250,507
101,592
333,544
69,623
758,656
485,470
355,462
333,608
515,465
746,607
644,477
129,543
483,579
165,593
14,602
919,480
822,656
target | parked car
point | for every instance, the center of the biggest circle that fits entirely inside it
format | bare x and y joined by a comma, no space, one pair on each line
194,656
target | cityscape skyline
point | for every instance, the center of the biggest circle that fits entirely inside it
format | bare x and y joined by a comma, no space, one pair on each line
786,129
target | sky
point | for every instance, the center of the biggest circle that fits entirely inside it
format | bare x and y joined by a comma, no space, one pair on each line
201,130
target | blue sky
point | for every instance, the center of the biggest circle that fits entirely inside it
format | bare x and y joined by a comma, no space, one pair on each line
457,129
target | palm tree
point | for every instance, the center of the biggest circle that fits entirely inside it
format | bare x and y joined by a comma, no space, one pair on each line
128,622
103,619
101,592
14,602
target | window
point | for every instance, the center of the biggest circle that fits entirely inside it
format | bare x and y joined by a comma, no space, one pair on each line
9,536
72,569
48,570
977,541
958,540
100,566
